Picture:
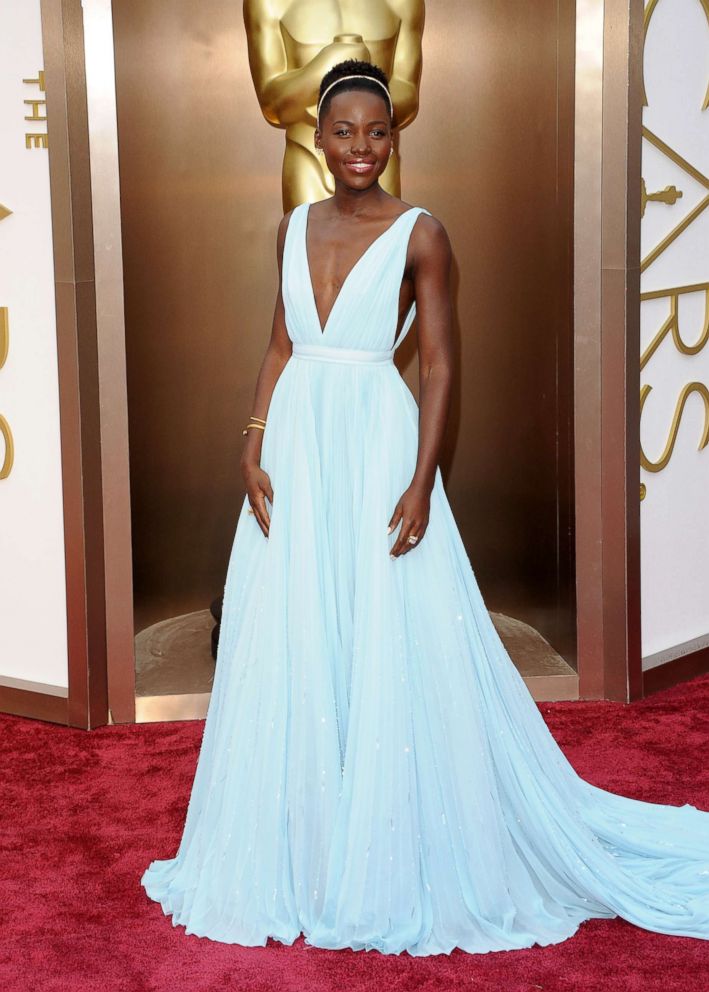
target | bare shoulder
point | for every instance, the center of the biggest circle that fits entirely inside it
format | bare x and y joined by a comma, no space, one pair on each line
430,241
283,224
283,227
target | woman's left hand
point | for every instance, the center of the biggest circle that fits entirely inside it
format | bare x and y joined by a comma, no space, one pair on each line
412,510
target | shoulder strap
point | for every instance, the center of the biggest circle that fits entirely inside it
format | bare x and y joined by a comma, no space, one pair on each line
292,233
409,319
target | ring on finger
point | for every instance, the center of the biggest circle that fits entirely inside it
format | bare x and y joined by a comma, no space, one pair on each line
412,538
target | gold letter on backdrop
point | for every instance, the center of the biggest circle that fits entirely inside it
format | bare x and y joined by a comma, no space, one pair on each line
6,466
293,44
670,196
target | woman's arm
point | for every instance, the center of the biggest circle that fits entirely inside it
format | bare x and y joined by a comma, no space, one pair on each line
258,484
431,262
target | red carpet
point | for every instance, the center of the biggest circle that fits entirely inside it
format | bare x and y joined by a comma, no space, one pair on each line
83,813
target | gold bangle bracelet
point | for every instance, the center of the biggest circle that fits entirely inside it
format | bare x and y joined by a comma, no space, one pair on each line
261,427
259,419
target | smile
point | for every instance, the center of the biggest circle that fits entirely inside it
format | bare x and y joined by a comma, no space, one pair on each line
360,167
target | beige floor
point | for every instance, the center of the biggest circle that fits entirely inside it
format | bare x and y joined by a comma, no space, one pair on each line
175,668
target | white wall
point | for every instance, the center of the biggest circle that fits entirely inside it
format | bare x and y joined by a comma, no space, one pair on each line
33,639
675,510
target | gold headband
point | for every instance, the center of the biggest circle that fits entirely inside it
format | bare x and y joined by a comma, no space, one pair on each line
356,76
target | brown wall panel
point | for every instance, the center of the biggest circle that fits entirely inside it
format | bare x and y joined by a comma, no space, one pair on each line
493,154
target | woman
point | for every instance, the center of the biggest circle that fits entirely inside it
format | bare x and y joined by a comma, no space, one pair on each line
374,773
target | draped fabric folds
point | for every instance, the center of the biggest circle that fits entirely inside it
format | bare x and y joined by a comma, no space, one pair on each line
374,773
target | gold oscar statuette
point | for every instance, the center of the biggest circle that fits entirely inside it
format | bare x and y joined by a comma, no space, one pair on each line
289,53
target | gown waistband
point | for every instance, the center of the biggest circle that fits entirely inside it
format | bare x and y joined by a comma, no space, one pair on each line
326,353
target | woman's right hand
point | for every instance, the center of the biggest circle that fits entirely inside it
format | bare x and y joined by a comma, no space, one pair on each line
258,487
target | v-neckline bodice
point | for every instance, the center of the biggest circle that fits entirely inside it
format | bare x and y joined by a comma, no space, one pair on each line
324,327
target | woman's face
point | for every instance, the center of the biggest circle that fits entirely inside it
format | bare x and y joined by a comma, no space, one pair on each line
355,135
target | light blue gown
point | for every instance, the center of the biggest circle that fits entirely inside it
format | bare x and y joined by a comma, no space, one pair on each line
373,772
